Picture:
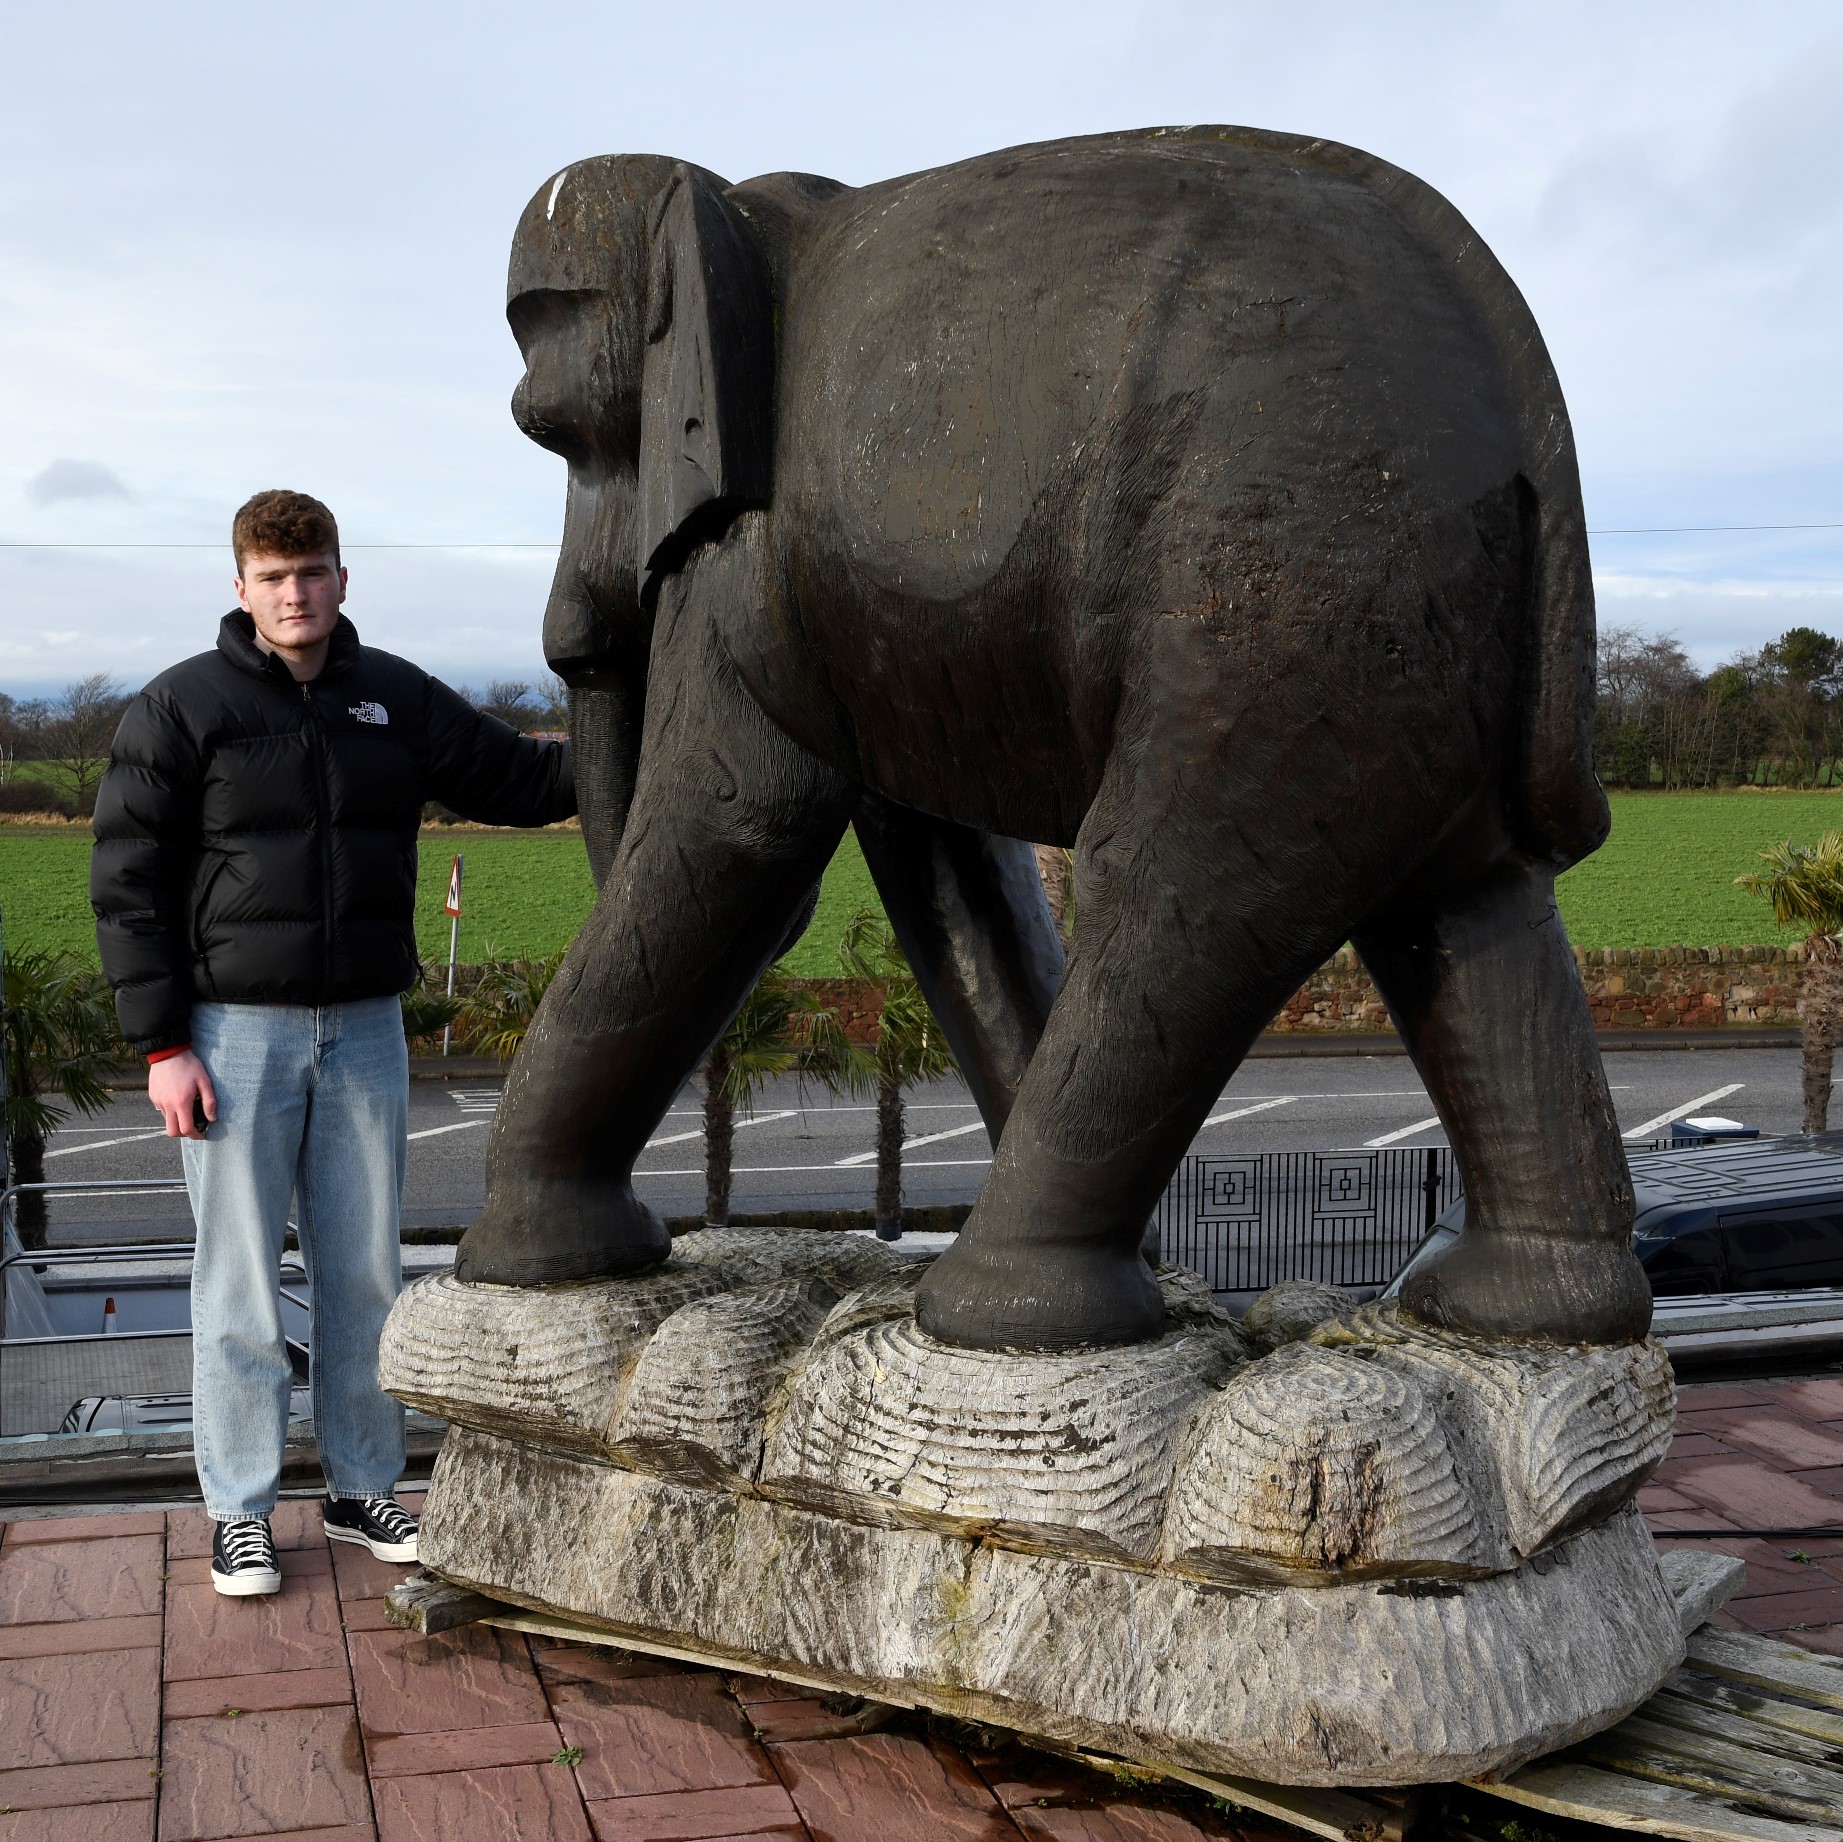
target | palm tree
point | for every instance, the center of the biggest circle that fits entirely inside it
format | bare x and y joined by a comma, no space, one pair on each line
909,1048
60,1036
1804,883
427,1013
782,1028
495,1015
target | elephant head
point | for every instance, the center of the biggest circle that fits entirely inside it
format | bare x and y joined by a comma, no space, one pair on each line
644,314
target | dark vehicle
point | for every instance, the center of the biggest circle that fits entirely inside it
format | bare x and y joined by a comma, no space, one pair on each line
1742,1241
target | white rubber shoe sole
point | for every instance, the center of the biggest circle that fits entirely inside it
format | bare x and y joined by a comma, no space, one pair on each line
246,1583
380,1550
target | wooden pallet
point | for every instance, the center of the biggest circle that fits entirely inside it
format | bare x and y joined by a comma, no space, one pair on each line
1743,1744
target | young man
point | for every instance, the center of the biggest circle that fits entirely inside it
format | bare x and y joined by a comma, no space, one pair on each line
254,883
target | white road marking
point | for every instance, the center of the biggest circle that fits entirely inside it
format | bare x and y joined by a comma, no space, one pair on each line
776,1170
1684,1111
458,1126
1241,1112
1389,1138
909,1144
679,1138
70,1151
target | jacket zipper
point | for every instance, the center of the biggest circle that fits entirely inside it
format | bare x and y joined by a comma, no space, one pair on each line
323,820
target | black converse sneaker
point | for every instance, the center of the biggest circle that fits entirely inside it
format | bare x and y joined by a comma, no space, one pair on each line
381,1524
243,1558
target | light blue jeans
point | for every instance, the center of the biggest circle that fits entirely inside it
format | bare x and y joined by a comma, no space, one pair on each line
313,1104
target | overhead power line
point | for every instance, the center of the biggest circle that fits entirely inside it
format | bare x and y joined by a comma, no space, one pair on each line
1635,530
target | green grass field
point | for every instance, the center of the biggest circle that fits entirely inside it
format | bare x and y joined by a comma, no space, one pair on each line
1665,878
523,894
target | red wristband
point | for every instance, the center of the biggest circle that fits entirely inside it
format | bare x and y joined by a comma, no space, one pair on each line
161,1055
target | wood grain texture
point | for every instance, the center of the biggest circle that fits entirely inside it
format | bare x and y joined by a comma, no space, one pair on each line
1396,1683
1701,1582
551,1364
1080,1440
1764,1662
1570,1430
1591,1795
1291,1310
757,1256
543,1363
1319,1465
707,1376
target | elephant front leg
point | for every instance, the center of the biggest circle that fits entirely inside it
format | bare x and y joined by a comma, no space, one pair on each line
1484,990
731,826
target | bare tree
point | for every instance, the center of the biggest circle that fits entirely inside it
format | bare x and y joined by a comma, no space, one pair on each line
82,725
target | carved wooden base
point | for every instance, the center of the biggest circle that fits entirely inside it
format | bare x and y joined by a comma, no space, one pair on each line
1380,1555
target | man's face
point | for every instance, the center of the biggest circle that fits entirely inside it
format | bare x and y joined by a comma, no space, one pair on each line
294,600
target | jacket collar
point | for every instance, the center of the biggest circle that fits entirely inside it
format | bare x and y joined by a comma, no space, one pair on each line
237,642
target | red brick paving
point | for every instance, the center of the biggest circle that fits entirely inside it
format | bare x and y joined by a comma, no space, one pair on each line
138,1706
1764,1455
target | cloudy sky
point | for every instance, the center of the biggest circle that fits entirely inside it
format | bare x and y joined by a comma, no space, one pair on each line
246,245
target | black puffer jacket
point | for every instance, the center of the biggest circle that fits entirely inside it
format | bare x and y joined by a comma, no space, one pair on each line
256,837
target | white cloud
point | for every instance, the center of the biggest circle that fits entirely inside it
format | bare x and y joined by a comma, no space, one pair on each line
221,280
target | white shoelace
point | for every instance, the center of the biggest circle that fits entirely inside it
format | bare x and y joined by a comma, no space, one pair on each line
391,1516
248,1544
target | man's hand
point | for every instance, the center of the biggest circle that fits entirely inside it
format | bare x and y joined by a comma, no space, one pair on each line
180,1088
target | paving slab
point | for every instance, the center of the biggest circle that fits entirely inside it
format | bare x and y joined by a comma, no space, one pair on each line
890,1787
69,1637
466,1735
400,1755
471,1677
52,1787
262,1774
513,1803
698,1816
235,1695
50,1582
73,1710
85,1823
209,1635
658,1733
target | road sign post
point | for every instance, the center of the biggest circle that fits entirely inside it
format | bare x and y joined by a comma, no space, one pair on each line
452,908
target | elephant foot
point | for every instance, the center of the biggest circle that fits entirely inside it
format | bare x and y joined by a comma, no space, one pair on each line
1023,1297
554,1234
1533,1286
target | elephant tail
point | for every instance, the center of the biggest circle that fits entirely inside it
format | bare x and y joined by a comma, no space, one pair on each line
1559,812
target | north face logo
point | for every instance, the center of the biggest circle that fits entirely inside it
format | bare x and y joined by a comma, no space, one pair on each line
371,713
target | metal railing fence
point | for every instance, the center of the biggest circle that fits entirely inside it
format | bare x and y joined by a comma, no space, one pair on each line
37,1259
1346,1218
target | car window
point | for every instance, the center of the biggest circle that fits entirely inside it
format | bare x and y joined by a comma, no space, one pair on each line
1785,1249
1686,1263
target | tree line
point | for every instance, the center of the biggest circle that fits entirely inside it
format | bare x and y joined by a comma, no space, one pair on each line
1768,718
53,750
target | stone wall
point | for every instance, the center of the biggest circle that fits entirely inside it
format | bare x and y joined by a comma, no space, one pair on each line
1628,988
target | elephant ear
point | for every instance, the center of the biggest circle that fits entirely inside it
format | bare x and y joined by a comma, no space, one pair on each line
707,383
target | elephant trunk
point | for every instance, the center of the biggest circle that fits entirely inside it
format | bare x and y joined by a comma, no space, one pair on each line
596,638
605,745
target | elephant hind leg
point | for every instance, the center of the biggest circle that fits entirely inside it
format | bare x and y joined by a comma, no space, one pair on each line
1187,940
1484,990
969,910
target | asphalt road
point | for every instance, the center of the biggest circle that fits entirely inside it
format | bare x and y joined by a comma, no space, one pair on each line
804,1151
